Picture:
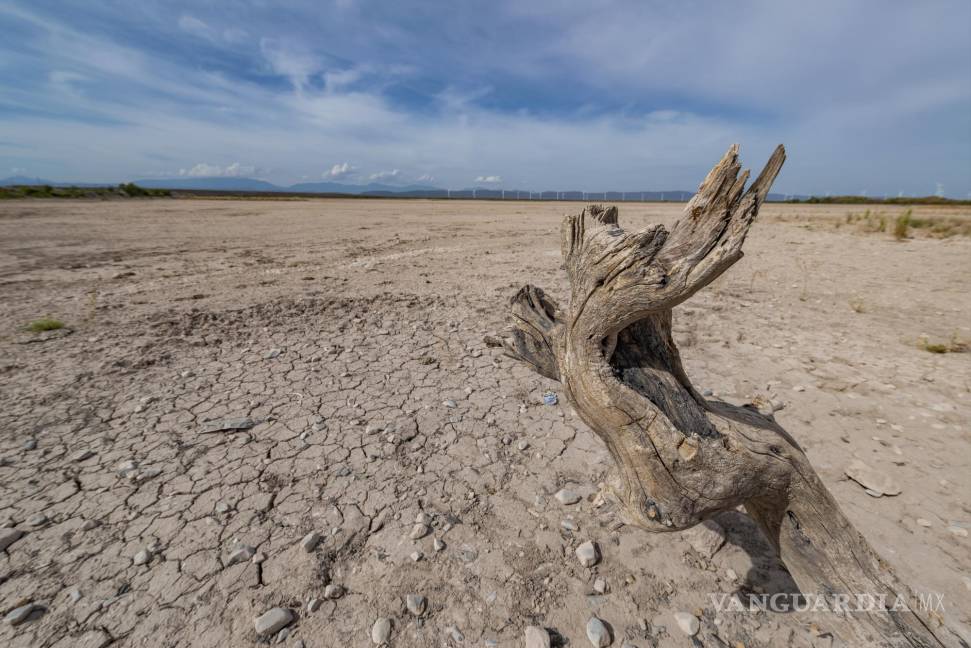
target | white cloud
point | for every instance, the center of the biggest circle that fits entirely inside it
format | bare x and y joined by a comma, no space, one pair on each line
234,170
339,171
425,177
393,174
297,65
489,179
193,25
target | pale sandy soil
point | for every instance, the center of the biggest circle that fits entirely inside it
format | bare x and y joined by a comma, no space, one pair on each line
341,328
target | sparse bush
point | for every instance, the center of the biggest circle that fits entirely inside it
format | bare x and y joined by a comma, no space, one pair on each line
45,324
857,305
954,345
902,225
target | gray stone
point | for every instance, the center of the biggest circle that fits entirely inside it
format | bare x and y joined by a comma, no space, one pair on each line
449,404
272,353
523,444
142,557
18,615
597,633
416,556
74,595
313,604
600,586
37,520
587,554
423,518
272,621
228,425
240,553
126,468
9,536
282,635
455,633
567,497
30,444
381,631
688,623
310,541
416,604
438,544
418,531
706,538
537,637
88,525
84,455
333,591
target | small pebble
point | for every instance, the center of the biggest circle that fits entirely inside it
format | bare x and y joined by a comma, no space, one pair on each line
241,553
333,591
272,621
600,586
142,557
18,615
37,520
30,444
418,531
597,633
417,555
523,444
310,541
416,604
923,522
587,554
567,497
449,404
381,631
313,604
688,623
439,544
456,634
537,637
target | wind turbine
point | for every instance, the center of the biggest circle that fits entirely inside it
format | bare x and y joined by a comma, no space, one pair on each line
940,190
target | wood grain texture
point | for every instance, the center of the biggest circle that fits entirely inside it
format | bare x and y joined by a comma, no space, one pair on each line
680,458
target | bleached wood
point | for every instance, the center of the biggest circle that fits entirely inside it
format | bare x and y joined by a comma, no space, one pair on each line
680,458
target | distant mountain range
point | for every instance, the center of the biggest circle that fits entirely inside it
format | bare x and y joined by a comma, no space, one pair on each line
377,189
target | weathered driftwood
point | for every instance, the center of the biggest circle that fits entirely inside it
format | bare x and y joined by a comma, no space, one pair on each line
679,457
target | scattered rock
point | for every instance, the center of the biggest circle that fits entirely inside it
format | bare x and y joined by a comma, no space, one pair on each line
142,557
876,483
84,455
597,633
958,531
688,623
30,444
227,425
37,520
381,631
416,556
416,604
588,554
272,621
522,445
223,507
567,497
449,404
18,615
333,591
272,353
9,536
537,637
88,525
600,586
313,604
924,522
706,538
549,398
438,544
74,595
126,468
418,531
310,541
455,634
240,553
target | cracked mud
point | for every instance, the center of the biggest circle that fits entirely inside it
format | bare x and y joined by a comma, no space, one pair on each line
235,377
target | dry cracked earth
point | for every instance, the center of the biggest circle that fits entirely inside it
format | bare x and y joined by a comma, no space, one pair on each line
288,407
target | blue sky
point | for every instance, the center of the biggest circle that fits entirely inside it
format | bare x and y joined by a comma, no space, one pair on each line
601,95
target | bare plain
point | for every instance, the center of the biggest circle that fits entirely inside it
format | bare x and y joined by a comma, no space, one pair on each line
234,375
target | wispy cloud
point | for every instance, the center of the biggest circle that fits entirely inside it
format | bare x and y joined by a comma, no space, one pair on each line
234,170
384,176
489,179
883,102
340,171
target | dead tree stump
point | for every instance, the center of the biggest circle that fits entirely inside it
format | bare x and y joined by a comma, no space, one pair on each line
679,457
